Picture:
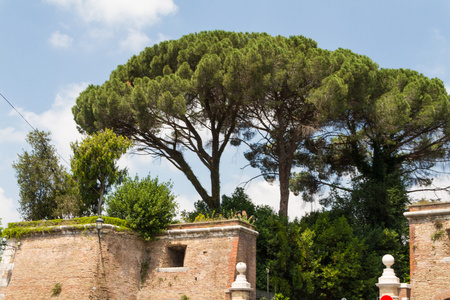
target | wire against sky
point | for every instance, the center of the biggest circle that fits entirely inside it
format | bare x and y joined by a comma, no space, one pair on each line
29,124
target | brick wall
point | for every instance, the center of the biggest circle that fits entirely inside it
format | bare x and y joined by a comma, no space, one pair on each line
75,259
123,266
429,226
209,265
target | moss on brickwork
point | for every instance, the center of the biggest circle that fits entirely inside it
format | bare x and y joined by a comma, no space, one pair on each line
144,270
22,229
56,290
75,221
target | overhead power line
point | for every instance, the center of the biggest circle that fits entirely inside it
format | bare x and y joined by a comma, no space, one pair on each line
29,124
17,111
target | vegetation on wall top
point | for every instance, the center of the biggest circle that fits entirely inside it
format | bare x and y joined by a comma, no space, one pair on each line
21,229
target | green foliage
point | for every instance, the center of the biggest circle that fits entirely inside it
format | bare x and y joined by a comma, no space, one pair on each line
316,258
56,290
332,114
438,234
145,264
319,257
229,215
200,208
57,222
346,267
172,95
277,296
147,205
287,72
43,182
238,206
220,82
387,128
94,166
373,203
384,229
69,204
21,229
239,201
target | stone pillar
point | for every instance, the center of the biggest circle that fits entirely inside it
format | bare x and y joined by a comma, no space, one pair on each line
388,283
7,264
240,288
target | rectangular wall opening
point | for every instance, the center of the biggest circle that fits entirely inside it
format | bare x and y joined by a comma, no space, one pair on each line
176,254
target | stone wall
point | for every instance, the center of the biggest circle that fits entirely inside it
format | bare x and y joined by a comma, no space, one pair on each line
196,260
211,254
429,226
85,268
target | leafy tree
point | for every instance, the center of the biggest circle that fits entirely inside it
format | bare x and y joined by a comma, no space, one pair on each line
41,179
147,205
388,128
70,204
238,201
344,267
380,237
94,166
288,70
273,250
178,95
318,257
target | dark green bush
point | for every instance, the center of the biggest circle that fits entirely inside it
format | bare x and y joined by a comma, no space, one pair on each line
147,205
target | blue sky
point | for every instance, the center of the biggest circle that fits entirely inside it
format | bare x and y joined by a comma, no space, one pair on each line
50,50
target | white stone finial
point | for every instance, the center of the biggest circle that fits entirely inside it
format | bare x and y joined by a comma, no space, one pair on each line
241,268
388,283
241,281
388,273
388,260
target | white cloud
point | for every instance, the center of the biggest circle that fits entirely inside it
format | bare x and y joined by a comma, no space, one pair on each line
118,13
8,213
59,119
104,20
60,40
135,41
11,135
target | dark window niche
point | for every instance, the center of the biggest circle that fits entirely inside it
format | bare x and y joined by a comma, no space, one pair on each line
175,256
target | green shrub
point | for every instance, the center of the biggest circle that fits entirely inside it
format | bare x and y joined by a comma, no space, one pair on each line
147,205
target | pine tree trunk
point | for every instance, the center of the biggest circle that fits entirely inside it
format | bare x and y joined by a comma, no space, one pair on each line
284,175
